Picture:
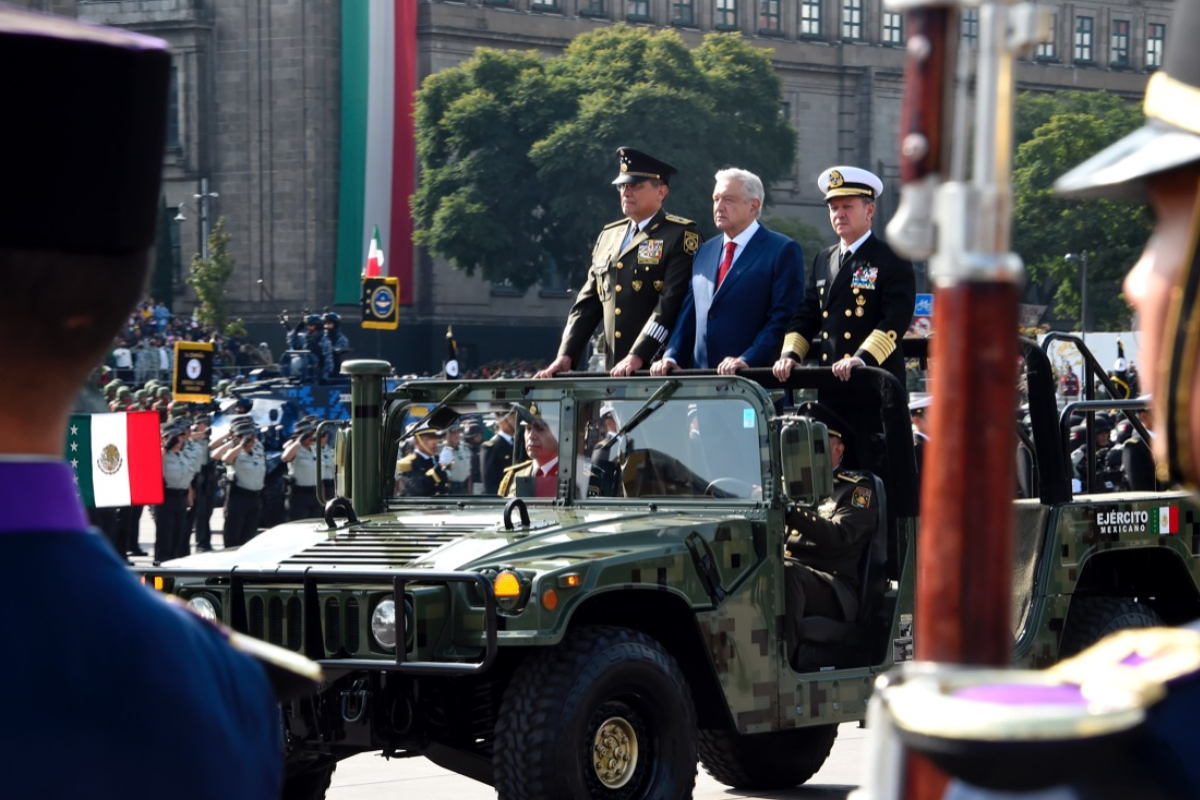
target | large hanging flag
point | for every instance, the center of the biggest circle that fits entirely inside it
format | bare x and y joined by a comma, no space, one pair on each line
377,165
374,266
450,368
117,458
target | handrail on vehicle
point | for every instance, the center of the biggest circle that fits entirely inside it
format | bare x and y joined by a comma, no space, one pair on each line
310,579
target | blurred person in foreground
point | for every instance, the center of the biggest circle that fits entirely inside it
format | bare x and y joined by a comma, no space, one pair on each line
117,666
1160,165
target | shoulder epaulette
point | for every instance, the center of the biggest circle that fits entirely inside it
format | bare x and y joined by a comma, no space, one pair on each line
616,222
851,475
405,464
680,220
516,467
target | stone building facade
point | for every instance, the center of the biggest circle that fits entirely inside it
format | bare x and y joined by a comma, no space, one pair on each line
256,117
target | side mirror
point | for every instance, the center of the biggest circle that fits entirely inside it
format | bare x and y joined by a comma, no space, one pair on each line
804,453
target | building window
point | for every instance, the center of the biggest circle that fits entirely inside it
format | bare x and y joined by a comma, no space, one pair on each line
592,8
970,26
173,110
683,12
1120,43
852,15
1045,50
638,9
768,17
544,5
1156,33
893,27
810,17
1084,27
726,14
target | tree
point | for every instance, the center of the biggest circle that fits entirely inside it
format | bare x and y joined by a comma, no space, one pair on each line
208,277
1055,133
162,281
810,239
517,149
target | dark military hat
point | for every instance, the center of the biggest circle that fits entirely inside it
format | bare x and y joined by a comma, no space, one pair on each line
114,83
304,427
1171,136
638,166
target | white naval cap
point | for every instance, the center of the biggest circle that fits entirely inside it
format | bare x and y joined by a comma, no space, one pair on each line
849,182
920,402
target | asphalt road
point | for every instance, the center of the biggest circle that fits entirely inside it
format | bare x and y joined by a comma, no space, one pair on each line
370,777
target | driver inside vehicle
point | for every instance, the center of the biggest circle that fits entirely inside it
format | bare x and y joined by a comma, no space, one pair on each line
825,545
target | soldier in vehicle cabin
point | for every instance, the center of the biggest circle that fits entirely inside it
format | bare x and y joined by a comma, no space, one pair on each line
860,295
419,474
639,275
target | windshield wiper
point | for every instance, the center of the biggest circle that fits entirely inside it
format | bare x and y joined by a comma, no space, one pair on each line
654,403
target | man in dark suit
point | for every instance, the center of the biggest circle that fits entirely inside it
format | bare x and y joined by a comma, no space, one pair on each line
497,452
745,287
112,655
638,277
860,295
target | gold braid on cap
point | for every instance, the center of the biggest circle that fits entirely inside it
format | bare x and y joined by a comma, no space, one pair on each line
1177,366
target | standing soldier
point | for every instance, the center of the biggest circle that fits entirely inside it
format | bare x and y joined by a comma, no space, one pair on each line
170,530
240,449
496,454
455,458
204,486
639,275
419,473
301,457
859,297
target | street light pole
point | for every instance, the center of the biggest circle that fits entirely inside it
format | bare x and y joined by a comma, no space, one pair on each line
203,198
1081,259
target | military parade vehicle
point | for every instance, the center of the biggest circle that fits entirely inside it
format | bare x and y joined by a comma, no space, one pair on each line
596,634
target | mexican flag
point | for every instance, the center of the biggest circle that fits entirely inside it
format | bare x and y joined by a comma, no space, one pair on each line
117,458
374,265
1165,521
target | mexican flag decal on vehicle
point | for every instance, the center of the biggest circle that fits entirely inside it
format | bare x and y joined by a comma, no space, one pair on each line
117,458
1165,521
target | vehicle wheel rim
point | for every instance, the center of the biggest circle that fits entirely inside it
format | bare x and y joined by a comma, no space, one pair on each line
615,752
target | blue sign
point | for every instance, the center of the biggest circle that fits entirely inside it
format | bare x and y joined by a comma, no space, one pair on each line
924,307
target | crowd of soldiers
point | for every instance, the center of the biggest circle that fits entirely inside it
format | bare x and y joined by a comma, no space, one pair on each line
316,345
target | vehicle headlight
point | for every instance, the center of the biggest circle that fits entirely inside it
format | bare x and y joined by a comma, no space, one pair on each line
204,607
383,623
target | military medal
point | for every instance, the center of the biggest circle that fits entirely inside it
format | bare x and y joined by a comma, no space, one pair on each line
637,286
658,286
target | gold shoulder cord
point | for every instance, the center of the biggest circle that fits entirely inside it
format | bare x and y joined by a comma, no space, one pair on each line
1183,316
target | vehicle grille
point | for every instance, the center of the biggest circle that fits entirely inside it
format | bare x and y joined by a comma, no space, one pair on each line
393,546
280,620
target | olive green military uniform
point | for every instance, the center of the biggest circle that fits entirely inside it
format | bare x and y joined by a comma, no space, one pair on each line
636,290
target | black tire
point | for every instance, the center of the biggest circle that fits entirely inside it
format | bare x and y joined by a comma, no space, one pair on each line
599,679
1090,619
776,760
309,785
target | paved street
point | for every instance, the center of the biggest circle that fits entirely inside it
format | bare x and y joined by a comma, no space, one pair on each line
370,777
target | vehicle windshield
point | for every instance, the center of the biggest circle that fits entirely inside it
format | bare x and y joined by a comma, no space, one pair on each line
680,448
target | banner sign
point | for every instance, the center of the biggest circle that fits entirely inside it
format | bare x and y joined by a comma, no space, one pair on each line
193,372
380,303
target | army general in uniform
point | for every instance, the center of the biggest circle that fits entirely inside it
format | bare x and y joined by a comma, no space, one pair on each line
639,276
859,298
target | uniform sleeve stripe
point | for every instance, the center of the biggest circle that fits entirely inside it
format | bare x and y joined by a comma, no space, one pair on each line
879,345
795,344
656,332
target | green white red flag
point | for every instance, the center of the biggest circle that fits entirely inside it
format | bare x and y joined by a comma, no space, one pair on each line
375,259
1165,520
117,458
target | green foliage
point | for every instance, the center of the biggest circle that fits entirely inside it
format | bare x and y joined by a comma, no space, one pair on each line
236,328
162,281
1056,133
208,277
517,150
811,240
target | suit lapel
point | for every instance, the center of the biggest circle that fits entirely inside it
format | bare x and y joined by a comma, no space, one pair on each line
843,276
744,262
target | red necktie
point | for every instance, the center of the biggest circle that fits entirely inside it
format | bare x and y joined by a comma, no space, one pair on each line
726,262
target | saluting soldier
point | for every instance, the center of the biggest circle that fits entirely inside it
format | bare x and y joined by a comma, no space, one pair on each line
419,474
300,454
241,450
860,295
179,467
641,266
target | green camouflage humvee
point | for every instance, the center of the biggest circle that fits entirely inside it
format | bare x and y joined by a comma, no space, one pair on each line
596,634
